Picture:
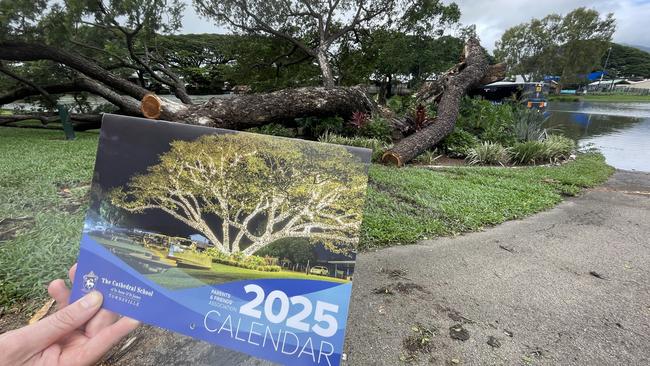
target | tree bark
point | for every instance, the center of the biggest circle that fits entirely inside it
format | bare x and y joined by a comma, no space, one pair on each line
126,104
253,110
83,121
23,51
326,69
24,92
454,85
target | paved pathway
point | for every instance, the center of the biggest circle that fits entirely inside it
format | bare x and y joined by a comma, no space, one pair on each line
569,286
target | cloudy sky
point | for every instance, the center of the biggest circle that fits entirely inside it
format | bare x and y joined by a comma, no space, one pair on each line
492,17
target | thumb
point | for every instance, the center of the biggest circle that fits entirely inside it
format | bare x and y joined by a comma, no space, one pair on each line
64,321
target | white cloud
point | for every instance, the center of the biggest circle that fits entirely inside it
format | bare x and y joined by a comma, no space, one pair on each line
493,17
193,23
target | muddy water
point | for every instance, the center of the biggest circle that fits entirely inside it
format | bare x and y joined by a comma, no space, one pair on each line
620,130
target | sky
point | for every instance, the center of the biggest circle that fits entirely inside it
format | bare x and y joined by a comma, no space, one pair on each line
493,17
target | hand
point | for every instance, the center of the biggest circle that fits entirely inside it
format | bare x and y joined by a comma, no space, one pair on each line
77,334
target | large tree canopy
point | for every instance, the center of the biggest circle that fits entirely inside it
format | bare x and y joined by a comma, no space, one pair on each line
569,46
625,61
315,27
260,189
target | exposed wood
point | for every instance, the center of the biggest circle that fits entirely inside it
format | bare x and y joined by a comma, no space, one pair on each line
454,85
42,312
151,106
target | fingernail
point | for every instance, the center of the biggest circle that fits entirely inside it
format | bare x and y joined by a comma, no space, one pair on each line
91,300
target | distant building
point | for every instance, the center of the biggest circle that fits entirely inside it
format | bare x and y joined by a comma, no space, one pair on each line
606,84
200,240
640,85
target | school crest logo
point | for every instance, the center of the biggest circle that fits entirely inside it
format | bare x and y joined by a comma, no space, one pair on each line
90,280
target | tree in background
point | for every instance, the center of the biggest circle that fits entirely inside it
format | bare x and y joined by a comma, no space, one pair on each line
570,46
96,44
385,56
310,191
627,62
316,27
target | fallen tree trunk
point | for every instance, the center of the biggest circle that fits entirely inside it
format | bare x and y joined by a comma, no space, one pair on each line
88,120
259,109
449,91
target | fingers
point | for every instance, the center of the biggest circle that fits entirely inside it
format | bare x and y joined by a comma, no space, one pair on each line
105,339
62,323
71,272
59,292
103,319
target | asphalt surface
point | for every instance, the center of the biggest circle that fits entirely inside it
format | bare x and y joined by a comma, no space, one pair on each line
569,286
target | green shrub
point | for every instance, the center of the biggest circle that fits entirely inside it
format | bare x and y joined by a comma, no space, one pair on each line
378,147
488,153
315,127
274,129
529,125
238,259
399,104
551,150
529,152
559,147
458,143
427,158
377,128
215,253
487,121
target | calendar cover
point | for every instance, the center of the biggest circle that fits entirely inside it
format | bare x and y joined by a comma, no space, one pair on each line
243,240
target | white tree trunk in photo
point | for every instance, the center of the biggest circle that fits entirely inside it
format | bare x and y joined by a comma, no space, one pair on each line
261,188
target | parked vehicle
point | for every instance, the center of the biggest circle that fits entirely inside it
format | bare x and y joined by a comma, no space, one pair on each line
319,270
534,97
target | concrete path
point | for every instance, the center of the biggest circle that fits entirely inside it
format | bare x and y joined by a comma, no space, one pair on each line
569,286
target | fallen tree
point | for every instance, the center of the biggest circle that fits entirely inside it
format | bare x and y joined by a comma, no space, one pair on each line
246,111
238,112
448,91
252,110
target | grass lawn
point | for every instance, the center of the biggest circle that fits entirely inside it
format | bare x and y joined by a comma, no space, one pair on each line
176,278
43,186
601,98
409,204
44,183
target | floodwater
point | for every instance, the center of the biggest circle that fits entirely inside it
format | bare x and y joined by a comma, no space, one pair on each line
621,131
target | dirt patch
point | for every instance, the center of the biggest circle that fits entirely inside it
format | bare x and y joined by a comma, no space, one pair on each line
455,316
9,227
73,195
420,342
399,287
393,273
493,342
17,316
458,332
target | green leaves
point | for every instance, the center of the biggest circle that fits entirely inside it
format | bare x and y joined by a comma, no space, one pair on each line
266,188
569,46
